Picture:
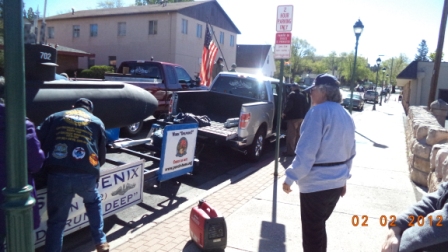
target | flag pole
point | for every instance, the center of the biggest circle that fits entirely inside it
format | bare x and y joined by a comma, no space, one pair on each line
217,43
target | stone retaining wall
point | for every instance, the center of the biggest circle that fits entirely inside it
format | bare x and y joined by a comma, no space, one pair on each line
427,143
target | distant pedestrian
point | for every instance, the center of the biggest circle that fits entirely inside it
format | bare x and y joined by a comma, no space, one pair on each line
423,227
217,67
293,113
75,144
35,158
233,68
323,160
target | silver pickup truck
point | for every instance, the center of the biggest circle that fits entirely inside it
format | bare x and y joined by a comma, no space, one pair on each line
241,108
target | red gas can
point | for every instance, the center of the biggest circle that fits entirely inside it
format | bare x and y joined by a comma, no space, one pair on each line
207,227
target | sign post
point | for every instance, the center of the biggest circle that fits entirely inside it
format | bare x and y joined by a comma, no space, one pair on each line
282,51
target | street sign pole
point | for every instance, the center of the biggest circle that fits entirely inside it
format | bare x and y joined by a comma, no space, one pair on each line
279,116
282,51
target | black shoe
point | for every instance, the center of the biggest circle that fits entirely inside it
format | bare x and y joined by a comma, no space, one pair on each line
285,154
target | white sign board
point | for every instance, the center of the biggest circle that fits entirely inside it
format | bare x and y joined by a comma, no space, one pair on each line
178,146
282,51
120,187
284,18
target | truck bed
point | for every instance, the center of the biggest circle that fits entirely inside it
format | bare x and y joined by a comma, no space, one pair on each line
217,106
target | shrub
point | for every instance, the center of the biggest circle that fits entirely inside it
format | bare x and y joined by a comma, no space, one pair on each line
95,72
86,73
99,71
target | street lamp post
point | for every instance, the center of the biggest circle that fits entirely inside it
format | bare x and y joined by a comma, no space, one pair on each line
382,86
378,62
357,28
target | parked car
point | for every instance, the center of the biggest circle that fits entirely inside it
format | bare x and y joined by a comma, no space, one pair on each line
371,96
357,101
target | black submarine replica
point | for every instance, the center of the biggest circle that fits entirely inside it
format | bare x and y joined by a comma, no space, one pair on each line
117,104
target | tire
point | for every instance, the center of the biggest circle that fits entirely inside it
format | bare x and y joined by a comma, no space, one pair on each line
133,129
255,150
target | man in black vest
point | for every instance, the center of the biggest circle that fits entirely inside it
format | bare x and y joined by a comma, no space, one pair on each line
294,112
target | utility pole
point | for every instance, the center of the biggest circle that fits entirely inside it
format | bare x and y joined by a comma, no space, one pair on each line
438,59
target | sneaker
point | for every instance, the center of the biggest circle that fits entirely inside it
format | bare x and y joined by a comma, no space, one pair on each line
103,247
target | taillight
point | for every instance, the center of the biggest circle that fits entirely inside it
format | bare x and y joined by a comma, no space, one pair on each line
244,120
170,109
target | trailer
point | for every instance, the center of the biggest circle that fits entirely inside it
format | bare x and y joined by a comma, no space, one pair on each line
130,166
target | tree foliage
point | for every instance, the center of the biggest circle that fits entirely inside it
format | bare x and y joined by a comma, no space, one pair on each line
108,4
422,52
432,57
147,2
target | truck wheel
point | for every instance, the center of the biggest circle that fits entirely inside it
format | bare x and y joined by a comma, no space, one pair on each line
133,129
256,148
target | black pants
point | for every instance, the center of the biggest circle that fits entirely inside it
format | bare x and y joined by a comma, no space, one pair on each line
315,209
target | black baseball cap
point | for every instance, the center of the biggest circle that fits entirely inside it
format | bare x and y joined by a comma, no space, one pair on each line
322,79
84,103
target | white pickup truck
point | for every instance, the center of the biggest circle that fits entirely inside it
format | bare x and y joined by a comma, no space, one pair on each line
241,108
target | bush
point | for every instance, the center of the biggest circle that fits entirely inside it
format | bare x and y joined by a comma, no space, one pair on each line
99,71
86,73
96,72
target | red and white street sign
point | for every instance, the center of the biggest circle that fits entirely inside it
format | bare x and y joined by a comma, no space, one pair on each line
282,49
284,18
283,38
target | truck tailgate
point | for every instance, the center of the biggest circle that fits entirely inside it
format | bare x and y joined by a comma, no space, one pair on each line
218,129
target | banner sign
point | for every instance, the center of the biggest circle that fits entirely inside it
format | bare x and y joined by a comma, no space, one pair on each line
120,187
178,147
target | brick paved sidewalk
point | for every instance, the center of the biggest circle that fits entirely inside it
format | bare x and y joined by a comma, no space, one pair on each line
172,234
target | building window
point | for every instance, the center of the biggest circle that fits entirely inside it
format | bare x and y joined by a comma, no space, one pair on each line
232,40
221,37
93,30
153,27
76,30
184,26
50,32
121,28
199,31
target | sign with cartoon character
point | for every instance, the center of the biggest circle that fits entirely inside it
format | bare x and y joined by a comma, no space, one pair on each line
178,146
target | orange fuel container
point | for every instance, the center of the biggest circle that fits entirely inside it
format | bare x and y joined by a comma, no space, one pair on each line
207,227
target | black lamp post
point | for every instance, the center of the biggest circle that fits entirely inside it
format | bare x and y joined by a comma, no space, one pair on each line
357,28
382,86
378,62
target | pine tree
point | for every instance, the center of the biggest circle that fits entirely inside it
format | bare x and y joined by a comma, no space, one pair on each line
422,52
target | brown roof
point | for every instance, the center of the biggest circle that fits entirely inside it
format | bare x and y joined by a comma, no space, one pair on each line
181,7
63,50
252,56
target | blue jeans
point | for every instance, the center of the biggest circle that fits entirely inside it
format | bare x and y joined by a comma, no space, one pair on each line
61,189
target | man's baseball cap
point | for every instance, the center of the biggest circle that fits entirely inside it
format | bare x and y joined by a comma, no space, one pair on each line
322,79
84,103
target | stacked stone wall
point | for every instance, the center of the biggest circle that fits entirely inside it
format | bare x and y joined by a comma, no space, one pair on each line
427,143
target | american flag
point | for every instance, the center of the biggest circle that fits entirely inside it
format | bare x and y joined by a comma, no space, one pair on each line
208,57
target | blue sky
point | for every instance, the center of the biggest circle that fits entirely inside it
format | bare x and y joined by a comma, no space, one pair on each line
391,26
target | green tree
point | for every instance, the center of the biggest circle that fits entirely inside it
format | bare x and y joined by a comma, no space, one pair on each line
107,4
432,56
332,61
30,15
301,57
422,52
147,2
